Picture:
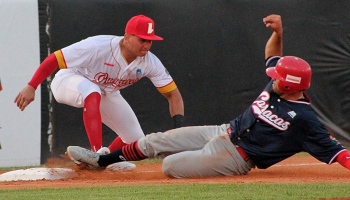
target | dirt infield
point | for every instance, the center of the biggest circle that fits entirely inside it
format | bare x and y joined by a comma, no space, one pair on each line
297,169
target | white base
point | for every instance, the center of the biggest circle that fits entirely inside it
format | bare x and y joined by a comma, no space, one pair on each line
38,174
121,166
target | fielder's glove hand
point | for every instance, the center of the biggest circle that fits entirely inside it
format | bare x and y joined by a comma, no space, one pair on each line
178,121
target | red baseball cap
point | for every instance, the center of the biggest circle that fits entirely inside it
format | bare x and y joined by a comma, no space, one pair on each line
142,27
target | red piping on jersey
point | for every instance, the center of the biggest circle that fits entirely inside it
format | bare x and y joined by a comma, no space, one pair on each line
299,101
108,64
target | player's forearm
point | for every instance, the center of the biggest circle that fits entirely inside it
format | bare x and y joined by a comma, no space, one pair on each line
344,159
176,106
274,46
176,109
47,67
177,113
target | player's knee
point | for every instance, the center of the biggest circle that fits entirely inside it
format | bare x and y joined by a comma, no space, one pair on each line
173,168
167,167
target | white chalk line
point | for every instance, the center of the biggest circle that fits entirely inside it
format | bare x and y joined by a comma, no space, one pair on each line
147,171
297,165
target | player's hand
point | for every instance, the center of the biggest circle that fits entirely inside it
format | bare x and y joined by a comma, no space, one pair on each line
274,22
178,121
25,97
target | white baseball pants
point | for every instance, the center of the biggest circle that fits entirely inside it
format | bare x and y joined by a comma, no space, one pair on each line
71,89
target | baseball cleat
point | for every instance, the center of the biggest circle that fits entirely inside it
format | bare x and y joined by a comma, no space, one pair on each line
121,166
103,151
81,155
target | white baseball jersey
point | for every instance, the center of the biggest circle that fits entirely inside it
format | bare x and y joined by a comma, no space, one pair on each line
99,59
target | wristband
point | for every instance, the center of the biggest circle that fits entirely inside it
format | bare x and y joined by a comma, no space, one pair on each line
343,158
178,120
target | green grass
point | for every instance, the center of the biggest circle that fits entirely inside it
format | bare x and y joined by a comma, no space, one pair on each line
187,191
16,168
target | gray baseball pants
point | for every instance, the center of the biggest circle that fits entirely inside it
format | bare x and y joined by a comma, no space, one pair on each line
195,151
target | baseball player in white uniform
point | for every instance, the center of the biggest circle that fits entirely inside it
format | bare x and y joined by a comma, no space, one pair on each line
93,71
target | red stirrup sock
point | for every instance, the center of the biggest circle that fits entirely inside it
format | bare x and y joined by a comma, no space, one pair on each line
130,152
116,144
344,159
93,121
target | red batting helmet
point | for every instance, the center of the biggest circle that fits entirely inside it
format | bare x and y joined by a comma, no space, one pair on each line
294,74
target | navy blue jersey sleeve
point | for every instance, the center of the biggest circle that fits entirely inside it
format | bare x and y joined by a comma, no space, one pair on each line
272,61
320,144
